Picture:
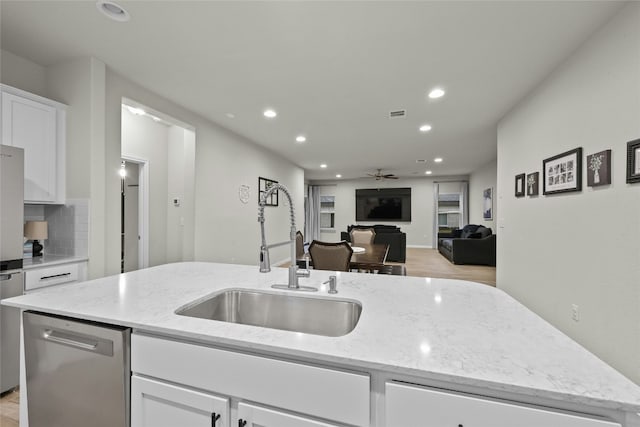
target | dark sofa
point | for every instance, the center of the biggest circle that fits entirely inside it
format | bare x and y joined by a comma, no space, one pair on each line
388,234
473,244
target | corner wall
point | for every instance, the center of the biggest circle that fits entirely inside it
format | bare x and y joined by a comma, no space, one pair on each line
481,179
579,248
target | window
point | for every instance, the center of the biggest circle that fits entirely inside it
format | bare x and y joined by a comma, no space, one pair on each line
327,213
449,210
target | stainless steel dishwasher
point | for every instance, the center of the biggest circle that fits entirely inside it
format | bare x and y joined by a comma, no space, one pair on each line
78,373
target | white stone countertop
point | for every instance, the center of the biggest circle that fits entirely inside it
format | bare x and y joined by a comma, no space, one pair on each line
444,330
48,260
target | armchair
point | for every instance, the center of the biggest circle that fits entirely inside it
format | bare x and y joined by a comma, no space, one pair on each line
474,244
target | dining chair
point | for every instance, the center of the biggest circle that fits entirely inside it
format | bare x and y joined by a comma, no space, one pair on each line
362,236
330,256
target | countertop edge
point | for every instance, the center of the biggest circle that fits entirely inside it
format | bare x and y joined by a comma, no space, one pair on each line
355,364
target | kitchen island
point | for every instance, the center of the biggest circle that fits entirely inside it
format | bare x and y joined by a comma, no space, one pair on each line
434,350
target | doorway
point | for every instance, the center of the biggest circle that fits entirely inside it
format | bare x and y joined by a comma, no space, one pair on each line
451,207
161,230
134,214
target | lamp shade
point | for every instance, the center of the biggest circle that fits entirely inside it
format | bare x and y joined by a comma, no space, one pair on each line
36,230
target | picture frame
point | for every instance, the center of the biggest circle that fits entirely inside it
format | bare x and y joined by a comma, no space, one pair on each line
520,185
487,204
533,184
633,161
599,169
562,173
263,185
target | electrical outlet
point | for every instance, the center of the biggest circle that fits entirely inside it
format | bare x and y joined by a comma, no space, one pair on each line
575,313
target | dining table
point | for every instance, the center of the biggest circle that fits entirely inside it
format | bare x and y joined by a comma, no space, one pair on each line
372,258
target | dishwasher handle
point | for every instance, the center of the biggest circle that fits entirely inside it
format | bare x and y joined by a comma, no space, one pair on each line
82,342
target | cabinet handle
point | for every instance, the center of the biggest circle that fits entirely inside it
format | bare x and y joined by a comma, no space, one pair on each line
214,417
55,276
241,423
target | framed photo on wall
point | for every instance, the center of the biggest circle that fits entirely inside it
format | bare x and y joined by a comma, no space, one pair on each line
633,161
520,185
562,173
599,168
487,204
263,185
533,184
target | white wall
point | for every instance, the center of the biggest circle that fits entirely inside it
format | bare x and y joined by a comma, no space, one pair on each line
225,229
481,179
21,73
142,138
419,231
80,85
579,248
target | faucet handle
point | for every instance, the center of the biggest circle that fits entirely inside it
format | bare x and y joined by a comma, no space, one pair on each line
265,265
333,284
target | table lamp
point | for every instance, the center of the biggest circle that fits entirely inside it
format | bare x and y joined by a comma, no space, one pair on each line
36,230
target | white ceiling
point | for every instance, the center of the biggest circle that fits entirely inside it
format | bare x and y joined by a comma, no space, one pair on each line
332,70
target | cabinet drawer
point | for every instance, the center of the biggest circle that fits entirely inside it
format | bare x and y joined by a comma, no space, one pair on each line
413,405
321,392
58,275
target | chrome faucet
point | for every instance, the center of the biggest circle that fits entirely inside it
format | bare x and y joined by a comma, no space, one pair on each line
265,264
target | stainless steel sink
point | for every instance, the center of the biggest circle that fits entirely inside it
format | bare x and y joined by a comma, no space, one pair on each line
311,315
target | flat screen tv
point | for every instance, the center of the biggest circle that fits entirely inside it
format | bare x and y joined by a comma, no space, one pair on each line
383,204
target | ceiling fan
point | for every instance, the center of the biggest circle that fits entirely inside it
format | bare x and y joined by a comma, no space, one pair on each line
379,175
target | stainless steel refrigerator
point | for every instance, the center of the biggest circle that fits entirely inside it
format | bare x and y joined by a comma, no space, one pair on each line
11,277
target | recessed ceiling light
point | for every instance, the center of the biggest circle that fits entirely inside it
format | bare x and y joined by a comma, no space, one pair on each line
436,93
438,160
301,138
425,128
113,11
270,114
428,173
323,166
338,176
421,161
231,115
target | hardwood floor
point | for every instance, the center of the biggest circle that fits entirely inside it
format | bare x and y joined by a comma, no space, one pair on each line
9,409
430,263
419,263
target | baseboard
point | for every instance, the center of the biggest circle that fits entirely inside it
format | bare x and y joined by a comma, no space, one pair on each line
420,246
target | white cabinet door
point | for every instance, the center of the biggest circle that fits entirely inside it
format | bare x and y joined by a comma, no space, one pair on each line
413,406
158,404
256,416
31,125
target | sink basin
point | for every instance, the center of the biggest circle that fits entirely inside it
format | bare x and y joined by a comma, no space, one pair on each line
311,315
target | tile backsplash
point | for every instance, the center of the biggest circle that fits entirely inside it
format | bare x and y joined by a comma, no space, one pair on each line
68,226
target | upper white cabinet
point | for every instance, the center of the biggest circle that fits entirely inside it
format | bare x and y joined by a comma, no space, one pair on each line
37,125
